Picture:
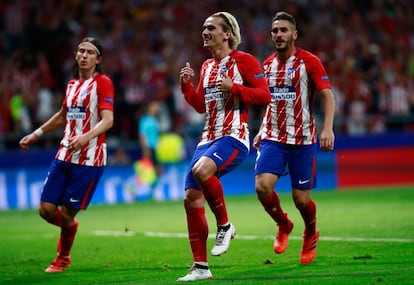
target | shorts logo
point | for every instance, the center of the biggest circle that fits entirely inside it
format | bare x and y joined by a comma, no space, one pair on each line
303,181
73,200
218,156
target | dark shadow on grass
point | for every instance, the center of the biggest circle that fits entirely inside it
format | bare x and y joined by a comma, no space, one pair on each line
311,276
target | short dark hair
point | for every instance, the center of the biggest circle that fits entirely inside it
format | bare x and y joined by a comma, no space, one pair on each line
285,16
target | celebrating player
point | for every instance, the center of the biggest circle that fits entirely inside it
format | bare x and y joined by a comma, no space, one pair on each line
229,81
86,113
288,133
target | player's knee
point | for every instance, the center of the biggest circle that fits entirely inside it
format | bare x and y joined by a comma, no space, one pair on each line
262,188
47,214
301,202
193,199
301,198
204,169
201,174
261,191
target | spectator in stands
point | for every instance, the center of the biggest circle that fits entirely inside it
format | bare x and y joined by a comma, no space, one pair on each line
86,113
382,47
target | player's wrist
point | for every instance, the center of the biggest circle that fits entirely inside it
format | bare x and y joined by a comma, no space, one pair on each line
38,132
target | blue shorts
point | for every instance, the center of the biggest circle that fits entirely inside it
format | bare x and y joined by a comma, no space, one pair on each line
227,152
273,157
71,184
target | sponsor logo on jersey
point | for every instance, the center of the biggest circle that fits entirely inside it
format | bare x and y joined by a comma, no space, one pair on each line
283,93
76,113
213,93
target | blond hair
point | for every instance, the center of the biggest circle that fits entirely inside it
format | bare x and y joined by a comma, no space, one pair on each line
230,24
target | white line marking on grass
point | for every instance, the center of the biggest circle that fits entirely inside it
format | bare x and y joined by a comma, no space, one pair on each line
250,237
114,233
266,237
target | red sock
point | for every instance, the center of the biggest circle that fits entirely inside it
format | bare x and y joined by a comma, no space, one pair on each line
309,217
67,236
213,192
197,233
272,206
57,220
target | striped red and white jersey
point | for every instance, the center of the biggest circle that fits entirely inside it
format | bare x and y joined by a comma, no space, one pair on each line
293,85
83,102
227,113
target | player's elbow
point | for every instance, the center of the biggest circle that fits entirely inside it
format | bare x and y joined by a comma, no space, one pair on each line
264,98
200,110
109,123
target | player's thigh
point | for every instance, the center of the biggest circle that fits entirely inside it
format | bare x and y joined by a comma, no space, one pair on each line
190,181
270,158
55,183
82,186
227,153
302,167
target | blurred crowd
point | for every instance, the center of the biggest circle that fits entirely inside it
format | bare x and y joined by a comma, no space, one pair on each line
366,46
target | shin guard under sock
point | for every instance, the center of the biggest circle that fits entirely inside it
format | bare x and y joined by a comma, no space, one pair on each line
309,217
66,239
197,233
214,194
272,206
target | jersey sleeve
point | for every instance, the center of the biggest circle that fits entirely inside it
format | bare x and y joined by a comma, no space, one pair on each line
106,93
256,89
194,97
318,73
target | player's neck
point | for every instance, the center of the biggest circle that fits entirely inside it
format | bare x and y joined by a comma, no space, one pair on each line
220,53
284,55
86,74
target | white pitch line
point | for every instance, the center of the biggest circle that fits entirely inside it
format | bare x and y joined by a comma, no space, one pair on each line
255,237
267,237
114,233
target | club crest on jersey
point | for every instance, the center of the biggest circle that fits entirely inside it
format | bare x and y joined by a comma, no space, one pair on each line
84,93
291,73
224,70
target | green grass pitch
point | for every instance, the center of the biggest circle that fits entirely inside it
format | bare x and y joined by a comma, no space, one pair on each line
367,237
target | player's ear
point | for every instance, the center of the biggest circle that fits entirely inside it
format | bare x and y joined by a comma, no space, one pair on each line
295,35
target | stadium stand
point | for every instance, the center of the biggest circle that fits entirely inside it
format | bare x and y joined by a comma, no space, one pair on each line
366,46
